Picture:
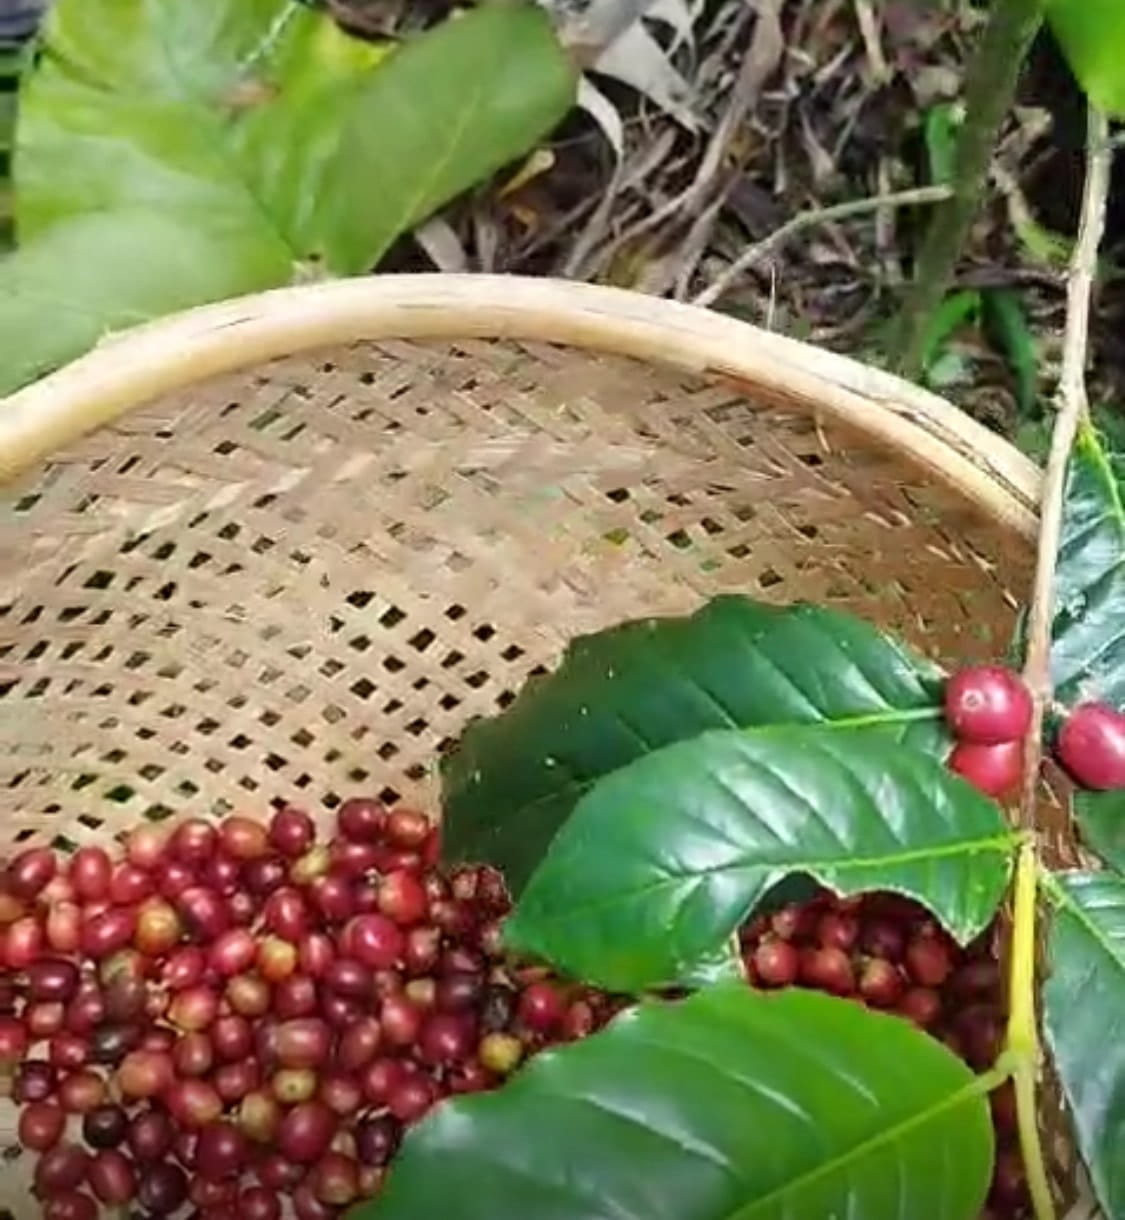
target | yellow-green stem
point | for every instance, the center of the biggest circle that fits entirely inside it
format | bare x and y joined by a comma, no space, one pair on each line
1027,1117
1022,1042
1023,1035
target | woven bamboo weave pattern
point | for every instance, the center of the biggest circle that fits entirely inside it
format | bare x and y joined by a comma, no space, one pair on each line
298,582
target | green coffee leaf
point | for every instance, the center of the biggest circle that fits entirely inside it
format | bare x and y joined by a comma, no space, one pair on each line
617,695
92,275
1084,1020
277,144
1101,822
1088,629
1092,36
155,106
460,103
662,860
733,1105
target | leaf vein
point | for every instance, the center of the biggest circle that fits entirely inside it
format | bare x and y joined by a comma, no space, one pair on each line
996,844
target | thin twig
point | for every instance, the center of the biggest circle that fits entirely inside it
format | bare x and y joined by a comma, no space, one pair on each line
814,216
1072,409
872,43
767,45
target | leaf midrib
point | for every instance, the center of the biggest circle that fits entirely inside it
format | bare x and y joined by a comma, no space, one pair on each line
1066,900
205,108
890,1134
998,844
441,163
581,786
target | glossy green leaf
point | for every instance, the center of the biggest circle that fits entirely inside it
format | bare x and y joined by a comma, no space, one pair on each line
1006,323
256,125
1101,821
1088,631
733,1105
136,105
663,860
1084,1020
474,94
90,276
1092,36
515,778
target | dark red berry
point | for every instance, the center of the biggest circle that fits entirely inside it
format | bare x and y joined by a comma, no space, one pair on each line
541,1006
1091,746
981,1032
776,963
1009,1185
828,970
880,983
882,938
979,978
922,1005
987,705
994,770
929,960
835,931
1003,1104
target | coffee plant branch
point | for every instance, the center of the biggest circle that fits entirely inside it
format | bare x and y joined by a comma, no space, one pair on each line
1072,409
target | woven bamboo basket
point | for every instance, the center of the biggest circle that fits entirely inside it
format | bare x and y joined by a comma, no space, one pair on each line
282,548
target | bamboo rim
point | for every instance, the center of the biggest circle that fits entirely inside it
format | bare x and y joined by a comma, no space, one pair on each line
134,367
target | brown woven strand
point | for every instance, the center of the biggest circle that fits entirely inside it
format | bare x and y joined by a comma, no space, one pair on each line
300,582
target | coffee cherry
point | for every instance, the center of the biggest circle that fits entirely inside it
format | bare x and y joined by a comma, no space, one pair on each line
882,938
928,959
776,963
880,983
994,770
1003,1104
541,1007
793,922
836,931
987,705
500,1053
922,1005
1009,1186
828,970
1091,746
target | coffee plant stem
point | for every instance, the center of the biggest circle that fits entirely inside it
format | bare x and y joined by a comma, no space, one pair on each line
1022,1040
990,86
1072,409
1022,1037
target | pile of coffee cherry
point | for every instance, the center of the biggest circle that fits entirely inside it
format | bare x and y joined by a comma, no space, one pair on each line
217,1017
223,1016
